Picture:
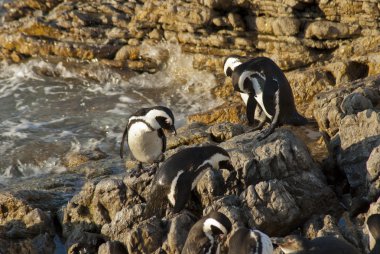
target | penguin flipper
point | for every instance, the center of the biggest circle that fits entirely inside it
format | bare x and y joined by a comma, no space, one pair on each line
251,107
156,202
122,142
182,190
265,133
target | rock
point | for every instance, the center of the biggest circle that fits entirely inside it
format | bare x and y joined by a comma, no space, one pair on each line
111,248
323,30
373,173
233,208
94,206
41,244
191,134
329,109
20,220
178,231
321,225
224,131
232,113
359,135
137,186
210,186
146,237
81,242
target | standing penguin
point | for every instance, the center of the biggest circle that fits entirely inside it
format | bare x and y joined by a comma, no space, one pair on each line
179,175
373,224
202,237
261,81
249,241
145,135
296,244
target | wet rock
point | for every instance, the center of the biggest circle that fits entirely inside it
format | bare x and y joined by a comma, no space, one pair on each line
76,158
111,248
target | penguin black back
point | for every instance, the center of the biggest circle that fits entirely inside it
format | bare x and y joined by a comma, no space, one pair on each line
179,174
266,85
203,235
246,241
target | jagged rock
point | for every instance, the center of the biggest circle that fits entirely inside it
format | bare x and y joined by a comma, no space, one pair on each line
373,170
178,231
210,186
330,107
321,225
81,241
323,30
224,131
20,220
94,206
41,244
191,134
138,186
76,158
146,237
359,135
111,248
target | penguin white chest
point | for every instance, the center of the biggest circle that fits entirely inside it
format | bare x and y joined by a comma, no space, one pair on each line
144,144
259,96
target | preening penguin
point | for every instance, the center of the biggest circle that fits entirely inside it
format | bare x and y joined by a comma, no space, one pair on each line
249,241
321,245
373,224
265,84
203,236
179,175
145,135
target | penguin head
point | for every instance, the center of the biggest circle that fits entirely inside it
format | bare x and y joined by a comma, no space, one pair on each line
291,243
220,159
230,63
158,117
216,224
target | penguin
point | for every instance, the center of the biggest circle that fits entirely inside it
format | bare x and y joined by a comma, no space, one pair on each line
179,175
203,235
145,135
249,241
261,81
373,224
296,244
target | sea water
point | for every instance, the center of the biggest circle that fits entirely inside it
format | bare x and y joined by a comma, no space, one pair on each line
48,108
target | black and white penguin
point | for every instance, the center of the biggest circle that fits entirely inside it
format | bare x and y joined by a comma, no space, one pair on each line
203,235
261,81
296,244
373,224
249,241
145,135
179,175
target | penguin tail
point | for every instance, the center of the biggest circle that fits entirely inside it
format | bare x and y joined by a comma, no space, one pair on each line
157,202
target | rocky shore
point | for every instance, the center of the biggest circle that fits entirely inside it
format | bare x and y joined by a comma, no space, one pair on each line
294,181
